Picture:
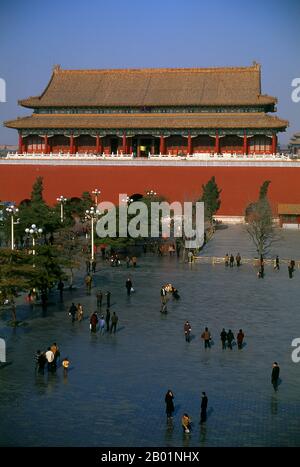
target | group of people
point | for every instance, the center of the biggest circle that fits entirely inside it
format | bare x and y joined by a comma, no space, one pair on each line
76,312
229,260
109,321
165,292
186,421
91,265
50,357
227,338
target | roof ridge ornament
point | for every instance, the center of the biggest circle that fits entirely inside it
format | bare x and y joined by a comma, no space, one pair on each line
56,68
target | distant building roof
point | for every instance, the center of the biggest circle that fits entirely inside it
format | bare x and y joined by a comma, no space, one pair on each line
153,87
289,209
156,120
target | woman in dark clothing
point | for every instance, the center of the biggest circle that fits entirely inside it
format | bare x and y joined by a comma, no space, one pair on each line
169,403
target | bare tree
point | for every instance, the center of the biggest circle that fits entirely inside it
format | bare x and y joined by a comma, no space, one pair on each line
259,222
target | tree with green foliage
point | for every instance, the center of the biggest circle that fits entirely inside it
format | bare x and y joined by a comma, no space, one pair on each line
211,198
259,222
16,274
69,246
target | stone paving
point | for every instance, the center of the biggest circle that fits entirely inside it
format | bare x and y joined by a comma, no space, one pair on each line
114,392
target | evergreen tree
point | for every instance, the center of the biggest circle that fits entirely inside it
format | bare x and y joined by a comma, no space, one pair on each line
211,198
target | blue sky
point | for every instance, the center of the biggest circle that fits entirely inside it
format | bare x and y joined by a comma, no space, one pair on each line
35,35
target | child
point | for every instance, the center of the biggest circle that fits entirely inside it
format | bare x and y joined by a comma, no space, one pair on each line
65,363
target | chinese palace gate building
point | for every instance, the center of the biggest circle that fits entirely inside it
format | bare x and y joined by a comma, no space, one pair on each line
151,111
164,120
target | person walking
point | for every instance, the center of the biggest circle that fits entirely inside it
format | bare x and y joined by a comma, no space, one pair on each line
230,338
93,322
65,364
54,348
223,336
226,259
231,261
239,338
275,375
204,403
114,321
206,336
79,312
107,319
163,300
50,358
169,397
187,331
238,260
88,266
72,312
276,263
186,423
42,362
291,269
128,285
133,259
60,287
102,324
88,283
99,297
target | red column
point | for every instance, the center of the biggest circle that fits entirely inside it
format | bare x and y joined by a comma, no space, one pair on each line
71,144
217,144
162,148
124,143
98,145
190,145
20,143
46,148
245,146
274,144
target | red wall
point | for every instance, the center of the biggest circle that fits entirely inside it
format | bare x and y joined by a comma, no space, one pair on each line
240,185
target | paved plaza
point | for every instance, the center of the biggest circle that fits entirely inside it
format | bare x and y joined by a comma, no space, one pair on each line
114,392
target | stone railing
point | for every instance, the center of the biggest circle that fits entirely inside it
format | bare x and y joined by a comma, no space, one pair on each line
193,157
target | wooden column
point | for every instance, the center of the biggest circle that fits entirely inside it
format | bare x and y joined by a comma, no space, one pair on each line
245,145
217,143
153,146
124,147
20,143
190,144
138,147
46,148
71,144
274,144
162,147
98,145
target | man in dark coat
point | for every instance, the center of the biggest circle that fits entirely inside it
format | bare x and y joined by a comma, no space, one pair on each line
204,403
107,319
275,375
223,336
128,285
169,403
114,320
73,311
187,331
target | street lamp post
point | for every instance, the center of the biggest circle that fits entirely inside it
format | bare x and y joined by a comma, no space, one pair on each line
34,231
92,214
96,193
62,200
12,211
